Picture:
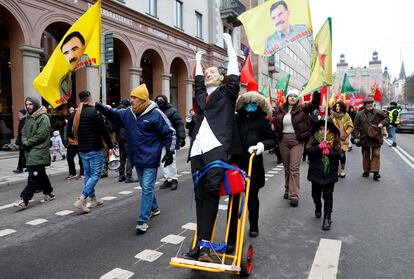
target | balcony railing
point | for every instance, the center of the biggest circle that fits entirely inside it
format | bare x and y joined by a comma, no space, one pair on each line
230,10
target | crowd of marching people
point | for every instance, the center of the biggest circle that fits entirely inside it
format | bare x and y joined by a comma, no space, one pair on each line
224,126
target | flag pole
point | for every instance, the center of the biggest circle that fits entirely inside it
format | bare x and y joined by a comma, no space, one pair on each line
326,113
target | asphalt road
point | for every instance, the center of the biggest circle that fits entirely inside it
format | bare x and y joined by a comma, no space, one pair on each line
373,222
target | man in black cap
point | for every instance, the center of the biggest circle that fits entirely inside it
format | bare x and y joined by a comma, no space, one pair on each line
36,143
89,129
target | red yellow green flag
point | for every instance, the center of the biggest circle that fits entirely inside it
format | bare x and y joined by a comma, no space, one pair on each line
321,67
80,47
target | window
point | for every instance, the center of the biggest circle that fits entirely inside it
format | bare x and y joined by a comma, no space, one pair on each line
151,7
199,25
178,14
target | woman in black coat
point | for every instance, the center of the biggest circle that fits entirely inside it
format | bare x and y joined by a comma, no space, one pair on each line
324,158
253,133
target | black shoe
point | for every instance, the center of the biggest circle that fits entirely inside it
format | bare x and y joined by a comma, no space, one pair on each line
193,254
294,202
254,233
54,159
104,175
365,174
318,210
174,185
63,157
165,185
18,171
286,195
129,179
121,178
350,149
205,255
230,248
377,176
326,225
394,144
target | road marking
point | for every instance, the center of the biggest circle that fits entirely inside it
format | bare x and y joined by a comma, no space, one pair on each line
173,239
273,172
125,192
158,182
6,206
185,172
108,198
269,175
325,263
117,273
6,232
401,152
278,169
138,188
179,175
36,222
223,206
64,212
190,226
266,179
148,255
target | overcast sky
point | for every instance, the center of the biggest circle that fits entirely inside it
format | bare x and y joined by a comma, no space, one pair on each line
361,26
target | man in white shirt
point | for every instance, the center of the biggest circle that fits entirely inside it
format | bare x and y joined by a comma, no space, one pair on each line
215,97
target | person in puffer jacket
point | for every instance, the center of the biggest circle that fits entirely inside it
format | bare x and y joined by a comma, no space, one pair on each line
57,146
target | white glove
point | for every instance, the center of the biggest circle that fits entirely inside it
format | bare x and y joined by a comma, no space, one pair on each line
199,69
232,67
198,57
258,148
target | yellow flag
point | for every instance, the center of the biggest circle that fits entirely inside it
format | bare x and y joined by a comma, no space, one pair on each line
80,47
321,67
275,24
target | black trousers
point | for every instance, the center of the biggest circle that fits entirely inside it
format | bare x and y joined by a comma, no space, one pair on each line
72,151
22,160
342,160
124,160
207,191
253,206
37,179
326,191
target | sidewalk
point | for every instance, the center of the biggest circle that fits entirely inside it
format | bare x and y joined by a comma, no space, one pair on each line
8,163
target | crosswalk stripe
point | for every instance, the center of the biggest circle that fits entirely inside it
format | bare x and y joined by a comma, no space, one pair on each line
6,206
117,273
6,232
125,192
64,212
273,172
108,198
325,263
268,175
36,222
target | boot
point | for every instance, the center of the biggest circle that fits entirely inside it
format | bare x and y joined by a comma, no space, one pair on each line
318,210
377,176
53,158
63,157
326,225
81,204
95,202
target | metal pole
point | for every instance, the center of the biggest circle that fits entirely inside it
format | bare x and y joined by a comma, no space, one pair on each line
326,113
103,71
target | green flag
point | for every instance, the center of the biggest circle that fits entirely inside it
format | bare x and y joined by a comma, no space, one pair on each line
346,85
265,91
282,84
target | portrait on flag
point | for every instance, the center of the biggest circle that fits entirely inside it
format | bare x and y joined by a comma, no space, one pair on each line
80,47
281,22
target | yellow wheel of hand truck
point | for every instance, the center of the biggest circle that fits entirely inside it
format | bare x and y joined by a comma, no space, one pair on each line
241,262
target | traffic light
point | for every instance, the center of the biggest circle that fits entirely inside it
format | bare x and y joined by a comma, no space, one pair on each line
109,48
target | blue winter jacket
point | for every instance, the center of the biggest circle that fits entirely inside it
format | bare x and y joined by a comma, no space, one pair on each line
147,134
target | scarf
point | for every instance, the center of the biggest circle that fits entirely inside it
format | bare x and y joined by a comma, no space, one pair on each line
325,159
341,118
141,108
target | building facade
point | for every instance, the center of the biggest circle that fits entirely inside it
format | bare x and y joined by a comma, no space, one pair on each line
155,42
398,86
363,79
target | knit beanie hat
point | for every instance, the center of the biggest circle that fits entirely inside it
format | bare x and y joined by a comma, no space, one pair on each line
141,92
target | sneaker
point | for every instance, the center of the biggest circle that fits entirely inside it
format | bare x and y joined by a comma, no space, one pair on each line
95,202
193,254
79,177
154,212
20,204
166,184
377,176
253,234
141,228
47,198
174,185
70,176
17,171
63,157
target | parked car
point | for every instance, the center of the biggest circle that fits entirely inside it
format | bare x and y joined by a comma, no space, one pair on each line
406,122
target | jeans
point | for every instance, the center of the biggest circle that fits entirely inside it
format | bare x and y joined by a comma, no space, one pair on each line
147,177
92,164
393,135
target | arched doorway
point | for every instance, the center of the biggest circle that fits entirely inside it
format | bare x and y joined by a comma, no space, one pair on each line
51,37
117,77
152,69
179,73
11,72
